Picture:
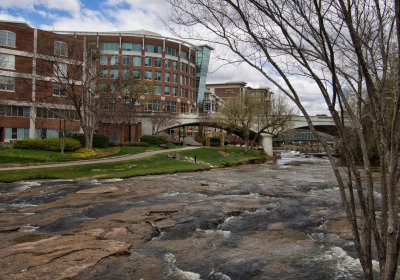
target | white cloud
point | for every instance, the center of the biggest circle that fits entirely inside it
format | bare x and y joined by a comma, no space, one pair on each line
5,16
71,6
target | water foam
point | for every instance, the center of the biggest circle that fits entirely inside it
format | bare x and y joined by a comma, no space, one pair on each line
172,272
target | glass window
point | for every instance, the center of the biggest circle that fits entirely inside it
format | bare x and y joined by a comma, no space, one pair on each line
148,75
60,69
7,61
175,91
175,65
192,59
171,51
136,74
137,61
167,64
183,107
167,90
157,89
186,81
182,66
125,60
181,79
181,92
153,49
16,133
170,106
125,73
7,83
131,47
103,73
174,78
186,93
167,77
60,48
7,38
109,46
114,73
157,62
147,61
157,76
114,60
59,90
103,60
152,106
184,55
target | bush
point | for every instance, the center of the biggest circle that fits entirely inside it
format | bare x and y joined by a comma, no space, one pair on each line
52,144
135,144
83,153
99,140
154,139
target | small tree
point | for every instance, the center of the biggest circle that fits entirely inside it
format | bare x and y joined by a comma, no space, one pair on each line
252,116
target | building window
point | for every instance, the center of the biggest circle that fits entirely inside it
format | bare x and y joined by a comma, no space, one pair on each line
157,76
181,92
167,63
181,79
167,90
157,62
186,93
170,106
148,75
171,51
109,46
60,69
152,106
136,74
183,107
59,90
114,60
14,111
125,60
7,61
192,59
186,81
175,91
182,66
125,73
16,133
167,77
7,83
137,61
131,47
60,48
175,65
103,60
114,73
153,49
174,78
184,55
103,73
7,38
147,61
157,89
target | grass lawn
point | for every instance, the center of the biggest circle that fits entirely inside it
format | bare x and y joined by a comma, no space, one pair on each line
157,164
22,156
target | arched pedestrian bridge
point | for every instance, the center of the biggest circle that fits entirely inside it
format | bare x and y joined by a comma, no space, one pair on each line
322,123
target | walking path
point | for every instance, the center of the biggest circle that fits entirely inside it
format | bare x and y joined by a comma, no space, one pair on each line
99,160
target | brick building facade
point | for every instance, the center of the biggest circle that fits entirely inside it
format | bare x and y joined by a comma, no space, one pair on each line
33,105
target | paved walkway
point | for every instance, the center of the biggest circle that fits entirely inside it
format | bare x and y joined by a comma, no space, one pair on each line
99,160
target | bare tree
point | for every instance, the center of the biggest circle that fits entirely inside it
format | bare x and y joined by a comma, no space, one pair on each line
251,116
66,78
162,120
345,47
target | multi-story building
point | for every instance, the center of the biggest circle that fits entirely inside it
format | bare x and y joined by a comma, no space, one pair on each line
231,90
31,102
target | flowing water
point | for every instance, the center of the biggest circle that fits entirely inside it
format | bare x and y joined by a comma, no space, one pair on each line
280,220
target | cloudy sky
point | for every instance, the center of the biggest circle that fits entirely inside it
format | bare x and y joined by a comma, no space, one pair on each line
124,15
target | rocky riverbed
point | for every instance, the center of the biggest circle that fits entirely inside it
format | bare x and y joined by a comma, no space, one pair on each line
280,220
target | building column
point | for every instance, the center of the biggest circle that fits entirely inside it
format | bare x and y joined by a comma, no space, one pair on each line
32,122
266,142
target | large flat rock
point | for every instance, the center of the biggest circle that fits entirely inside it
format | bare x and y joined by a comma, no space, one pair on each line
57,257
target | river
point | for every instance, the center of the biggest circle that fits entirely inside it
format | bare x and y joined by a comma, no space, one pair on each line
280,220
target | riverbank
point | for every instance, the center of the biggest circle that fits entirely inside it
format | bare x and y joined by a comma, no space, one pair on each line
148,163
261,221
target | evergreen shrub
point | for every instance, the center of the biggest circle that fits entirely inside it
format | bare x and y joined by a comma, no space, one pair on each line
154,139
51,144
